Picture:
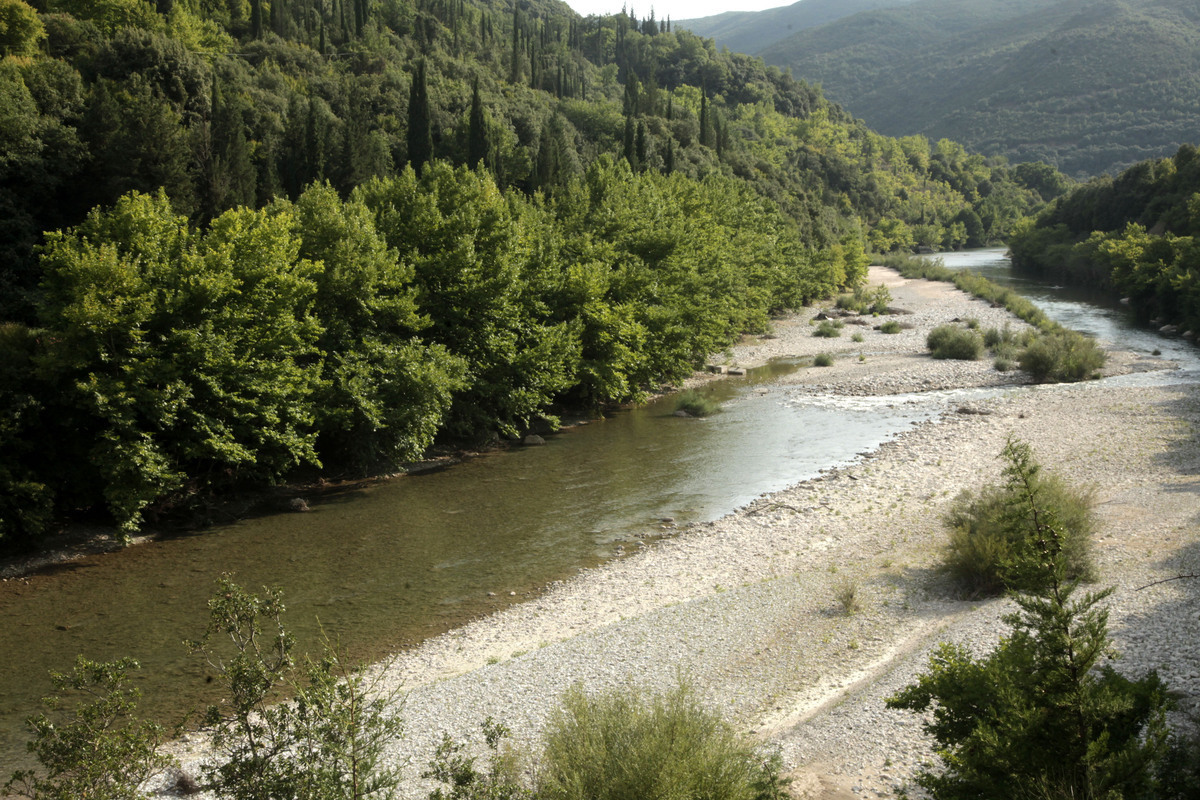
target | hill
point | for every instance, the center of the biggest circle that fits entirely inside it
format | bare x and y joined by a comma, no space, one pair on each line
751,31
1090,86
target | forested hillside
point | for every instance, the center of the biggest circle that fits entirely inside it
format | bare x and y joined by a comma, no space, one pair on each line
1135,234
752,31
1090,86
319,234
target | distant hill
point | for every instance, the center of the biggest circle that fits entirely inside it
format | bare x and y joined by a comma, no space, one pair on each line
751,31
1090,86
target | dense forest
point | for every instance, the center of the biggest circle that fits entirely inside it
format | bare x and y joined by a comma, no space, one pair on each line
247,238
1135,234
1089,86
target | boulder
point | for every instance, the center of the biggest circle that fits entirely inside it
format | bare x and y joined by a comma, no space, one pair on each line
533,440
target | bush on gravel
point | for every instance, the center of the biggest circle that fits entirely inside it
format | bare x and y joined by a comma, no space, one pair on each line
951,341
625,746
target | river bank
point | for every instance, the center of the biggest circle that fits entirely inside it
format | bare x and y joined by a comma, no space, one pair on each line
745,607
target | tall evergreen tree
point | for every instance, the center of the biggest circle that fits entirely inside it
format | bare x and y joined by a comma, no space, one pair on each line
477,139
420,125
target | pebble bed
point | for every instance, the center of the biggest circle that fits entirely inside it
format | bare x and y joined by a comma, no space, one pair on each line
748,608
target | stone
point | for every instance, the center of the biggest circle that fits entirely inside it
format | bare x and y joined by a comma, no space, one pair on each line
533,440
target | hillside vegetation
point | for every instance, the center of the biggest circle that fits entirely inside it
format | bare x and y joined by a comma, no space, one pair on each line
292,236
1136,235
752,31
1089,86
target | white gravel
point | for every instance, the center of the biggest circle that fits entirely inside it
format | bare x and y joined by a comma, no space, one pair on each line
744,608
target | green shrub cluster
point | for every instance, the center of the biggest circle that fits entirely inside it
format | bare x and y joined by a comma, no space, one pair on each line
1040,716
822,360
991,548
951,341
829,328
624,746
891,327
1062,356
866,301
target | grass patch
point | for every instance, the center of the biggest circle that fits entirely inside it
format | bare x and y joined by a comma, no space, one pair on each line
823,360
951,341
626,746
846,595
696,404
857,337
891,326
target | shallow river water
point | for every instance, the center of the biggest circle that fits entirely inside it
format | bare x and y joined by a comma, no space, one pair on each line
386,565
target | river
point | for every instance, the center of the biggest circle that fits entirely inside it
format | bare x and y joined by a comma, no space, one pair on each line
385,565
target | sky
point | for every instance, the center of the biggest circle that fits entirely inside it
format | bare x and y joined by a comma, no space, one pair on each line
675,9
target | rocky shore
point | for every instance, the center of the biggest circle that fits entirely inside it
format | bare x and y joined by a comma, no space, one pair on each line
747,608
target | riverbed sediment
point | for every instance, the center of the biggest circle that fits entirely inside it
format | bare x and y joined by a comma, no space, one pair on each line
746,608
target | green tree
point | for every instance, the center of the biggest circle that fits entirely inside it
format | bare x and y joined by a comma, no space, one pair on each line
420,124
21,32
1039,716
384,393
177,354
478,149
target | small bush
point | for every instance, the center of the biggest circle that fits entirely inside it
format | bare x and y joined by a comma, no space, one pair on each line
891,326
93,745
624,746
1002,364
990,546
950,341
823,360
866,301
858,337
1062,356
830,329
846,594
696,404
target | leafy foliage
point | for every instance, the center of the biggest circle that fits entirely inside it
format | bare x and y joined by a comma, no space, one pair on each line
1040,716
1134,234
94,748
325,744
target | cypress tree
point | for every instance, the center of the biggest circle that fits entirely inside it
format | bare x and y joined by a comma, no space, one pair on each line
420,126
477,142
705,124
640,145
669,159
629,152
256,19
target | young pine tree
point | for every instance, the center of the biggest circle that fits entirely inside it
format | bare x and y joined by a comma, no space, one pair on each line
1039,717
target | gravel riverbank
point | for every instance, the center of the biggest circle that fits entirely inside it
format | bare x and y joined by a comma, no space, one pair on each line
745,607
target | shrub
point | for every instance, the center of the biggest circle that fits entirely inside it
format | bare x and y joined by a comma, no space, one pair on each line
830,329
696,404
457,772
1039,717
1062,356
866,301
327,744
823,360
950,341
846,594
991,547
857,337
1003,364
624,746
891,326
95,747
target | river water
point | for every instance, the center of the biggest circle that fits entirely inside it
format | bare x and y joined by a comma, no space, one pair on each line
384,566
